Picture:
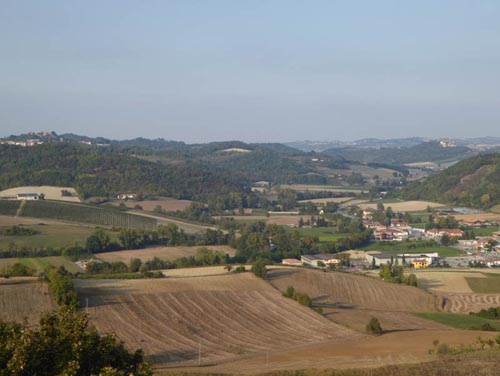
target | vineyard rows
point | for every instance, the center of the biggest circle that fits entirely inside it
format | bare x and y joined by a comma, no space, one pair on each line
9,207
85,214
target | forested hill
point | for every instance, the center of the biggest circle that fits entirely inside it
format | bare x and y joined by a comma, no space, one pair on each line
472,182
95,171
430,151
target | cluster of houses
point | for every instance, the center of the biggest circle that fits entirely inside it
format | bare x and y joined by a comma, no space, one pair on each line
27,143
415,260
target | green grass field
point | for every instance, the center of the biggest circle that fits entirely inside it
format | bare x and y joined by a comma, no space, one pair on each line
324,234
485,231
51,235
491,284
407,247
465,322
40,263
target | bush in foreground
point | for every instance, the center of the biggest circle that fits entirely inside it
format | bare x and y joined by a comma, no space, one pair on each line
65,344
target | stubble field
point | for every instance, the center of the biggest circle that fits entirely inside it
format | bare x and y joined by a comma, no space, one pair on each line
221,317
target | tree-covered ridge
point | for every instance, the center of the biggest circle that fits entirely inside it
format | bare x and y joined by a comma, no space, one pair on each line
430,151
97,171
473,182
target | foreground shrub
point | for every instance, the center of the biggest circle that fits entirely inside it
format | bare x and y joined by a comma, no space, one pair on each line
374,327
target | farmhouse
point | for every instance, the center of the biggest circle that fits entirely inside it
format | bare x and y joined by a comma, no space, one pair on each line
292,262
379,259
398,223
420,263
319,260
28,196
127,196
389,234
439,232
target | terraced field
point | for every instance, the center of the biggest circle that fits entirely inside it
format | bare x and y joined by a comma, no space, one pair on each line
185,321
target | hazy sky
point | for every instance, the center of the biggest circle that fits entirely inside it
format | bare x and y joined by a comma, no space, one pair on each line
250,70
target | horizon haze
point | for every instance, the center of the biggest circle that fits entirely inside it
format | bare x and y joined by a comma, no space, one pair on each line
273,71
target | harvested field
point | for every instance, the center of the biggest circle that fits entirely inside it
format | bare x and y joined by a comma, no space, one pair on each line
225,317
22,298
478,217
51,193
351,300
164,253
167,203
404,206
465,303
446,281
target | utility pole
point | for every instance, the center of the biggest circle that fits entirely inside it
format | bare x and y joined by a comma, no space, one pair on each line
199,353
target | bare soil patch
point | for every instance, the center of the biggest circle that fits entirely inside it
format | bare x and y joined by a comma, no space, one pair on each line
317,188
391,348
468,302
50,192
164,253
324,201
478,217
446,281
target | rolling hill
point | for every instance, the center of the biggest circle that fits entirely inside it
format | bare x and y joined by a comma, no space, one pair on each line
430,151
474,182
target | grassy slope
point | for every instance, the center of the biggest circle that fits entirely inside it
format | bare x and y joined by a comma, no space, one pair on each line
491,284
457,321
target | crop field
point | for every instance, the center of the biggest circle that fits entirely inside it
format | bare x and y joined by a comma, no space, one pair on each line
40,263
468,302
286,220
352,300
9,207
324,201
412,247
85,214
465,322
50,192
50,234
164,253
325,234
168,204
490,283
404,206
454,281
23,299
478,217
183,321
319,188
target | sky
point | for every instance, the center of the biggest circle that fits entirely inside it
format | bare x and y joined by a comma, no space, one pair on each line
251,70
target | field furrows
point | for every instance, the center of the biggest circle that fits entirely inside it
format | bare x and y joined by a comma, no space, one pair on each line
353,291
465,303
24,301
172,327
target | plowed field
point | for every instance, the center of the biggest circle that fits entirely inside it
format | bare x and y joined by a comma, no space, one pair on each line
22,299
352,300
184,321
